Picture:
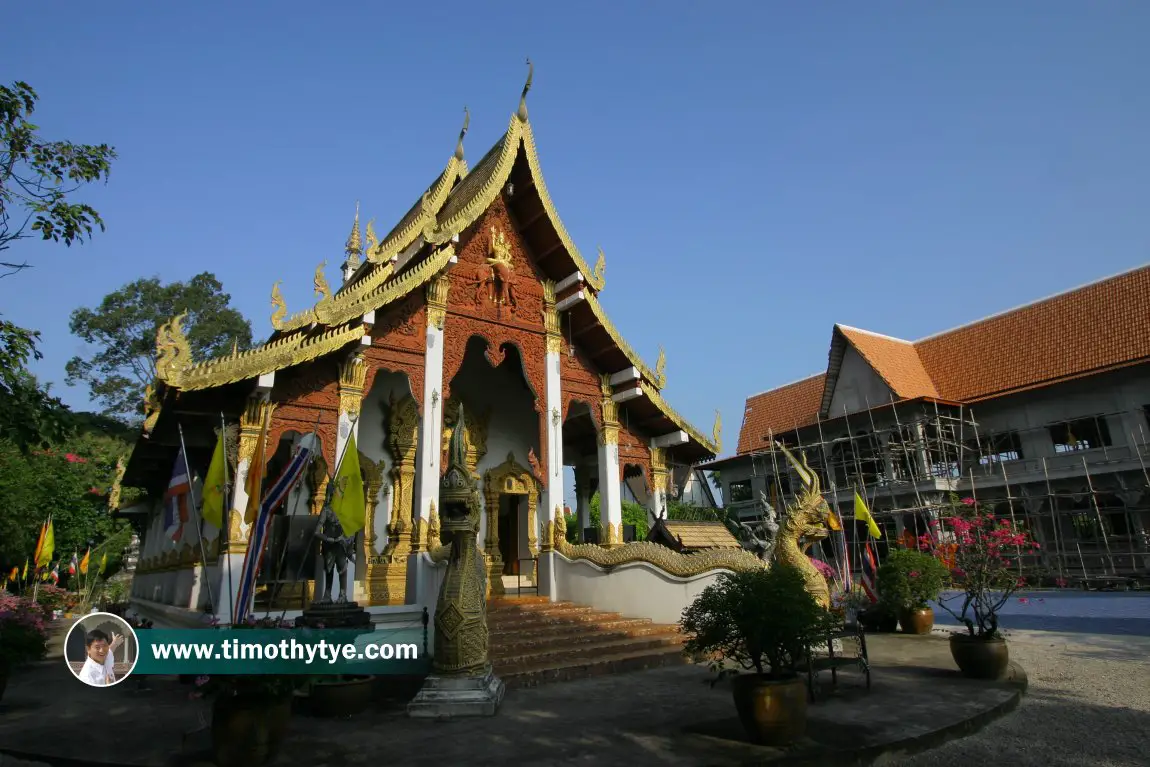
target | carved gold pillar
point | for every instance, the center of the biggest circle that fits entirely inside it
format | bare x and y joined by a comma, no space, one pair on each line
257,413
658,480
491,553
610,485
387,572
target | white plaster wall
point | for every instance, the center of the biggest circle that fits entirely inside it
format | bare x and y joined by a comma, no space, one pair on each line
636,590
857,384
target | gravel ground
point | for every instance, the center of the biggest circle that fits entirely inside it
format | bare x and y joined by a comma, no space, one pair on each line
1088,704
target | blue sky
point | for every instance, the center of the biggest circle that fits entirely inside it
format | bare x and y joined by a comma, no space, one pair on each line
755,172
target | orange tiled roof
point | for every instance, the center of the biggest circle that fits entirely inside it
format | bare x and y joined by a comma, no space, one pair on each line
779,410
1095,328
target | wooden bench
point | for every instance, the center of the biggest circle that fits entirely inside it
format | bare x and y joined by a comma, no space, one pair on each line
832,661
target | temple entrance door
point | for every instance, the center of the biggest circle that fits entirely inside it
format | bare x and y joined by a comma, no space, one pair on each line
509,524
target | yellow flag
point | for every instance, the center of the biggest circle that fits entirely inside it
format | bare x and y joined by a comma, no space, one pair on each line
46,546
84,562
862,514
214,488
348,501
24,575
103,564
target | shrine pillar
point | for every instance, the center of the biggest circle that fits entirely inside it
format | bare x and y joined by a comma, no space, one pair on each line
257,414
352,373
553,501
387,572
658,498
610,482
431,424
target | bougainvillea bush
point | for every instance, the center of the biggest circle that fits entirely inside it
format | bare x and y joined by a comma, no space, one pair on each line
23,638
985,565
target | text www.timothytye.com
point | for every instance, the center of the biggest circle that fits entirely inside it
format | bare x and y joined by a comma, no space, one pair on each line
286,649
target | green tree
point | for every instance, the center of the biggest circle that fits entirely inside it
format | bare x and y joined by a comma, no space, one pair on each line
633,514
38,176
122,330
70,481
29,416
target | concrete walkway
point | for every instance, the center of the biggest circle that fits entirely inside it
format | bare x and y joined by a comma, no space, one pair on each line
670,716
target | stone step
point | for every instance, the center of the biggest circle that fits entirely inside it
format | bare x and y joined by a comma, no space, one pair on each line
574,653
514,642
516,617
531,675
637,626
528,622
537,608
526,599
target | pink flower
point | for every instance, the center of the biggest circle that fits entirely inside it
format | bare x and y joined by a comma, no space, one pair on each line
967,501
73,458
914,573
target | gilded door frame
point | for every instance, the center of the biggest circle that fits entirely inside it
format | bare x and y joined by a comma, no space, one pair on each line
508,478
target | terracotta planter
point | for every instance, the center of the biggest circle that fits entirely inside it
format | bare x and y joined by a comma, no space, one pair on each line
774,713
248,730
917,621
346,696
980,658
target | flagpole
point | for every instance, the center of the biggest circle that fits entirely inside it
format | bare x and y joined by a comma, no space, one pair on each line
199,524
335,473
225,533
252,466
283,554
36,564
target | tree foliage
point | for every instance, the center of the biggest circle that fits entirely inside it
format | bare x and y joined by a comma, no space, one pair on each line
29,416
38,176
122,330
70,481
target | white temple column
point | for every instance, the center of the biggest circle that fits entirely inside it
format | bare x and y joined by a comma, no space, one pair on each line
582,498
352,373
657,501
430,430
553,500
610,482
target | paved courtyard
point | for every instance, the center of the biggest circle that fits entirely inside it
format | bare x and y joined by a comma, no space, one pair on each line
1107,613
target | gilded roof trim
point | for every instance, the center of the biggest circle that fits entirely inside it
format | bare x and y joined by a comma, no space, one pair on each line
657,378
657,399
424,220
275,355
393,290
488,189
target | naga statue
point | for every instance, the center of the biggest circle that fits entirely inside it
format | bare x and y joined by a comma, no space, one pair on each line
805,523
461,637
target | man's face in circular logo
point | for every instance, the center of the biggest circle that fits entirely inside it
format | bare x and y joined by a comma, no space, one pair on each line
98,647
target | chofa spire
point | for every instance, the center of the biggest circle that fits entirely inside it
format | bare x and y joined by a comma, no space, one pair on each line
526,88
462,133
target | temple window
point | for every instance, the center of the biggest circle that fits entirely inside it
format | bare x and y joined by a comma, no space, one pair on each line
1082,434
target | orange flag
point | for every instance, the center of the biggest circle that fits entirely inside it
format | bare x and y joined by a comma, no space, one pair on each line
256,470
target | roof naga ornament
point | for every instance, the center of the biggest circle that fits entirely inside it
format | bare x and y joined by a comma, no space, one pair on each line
717,431
661,367
600,267
173,353
322,290
372,239
462,133
279,307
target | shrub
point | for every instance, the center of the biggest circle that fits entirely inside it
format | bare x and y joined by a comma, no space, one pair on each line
910,580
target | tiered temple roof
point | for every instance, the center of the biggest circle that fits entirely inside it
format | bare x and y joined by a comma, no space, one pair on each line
418,247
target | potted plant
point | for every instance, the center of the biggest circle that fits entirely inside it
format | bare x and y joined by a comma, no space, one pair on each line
23,638
250,713
879,617
763,621
910,580
983,547
853,603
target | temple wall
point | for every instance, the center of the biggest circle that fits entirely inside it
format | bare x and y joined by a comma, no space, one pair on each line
637,589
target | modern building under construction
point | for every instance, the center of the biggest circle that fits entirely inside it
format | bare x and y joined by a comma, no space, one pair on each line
1042,411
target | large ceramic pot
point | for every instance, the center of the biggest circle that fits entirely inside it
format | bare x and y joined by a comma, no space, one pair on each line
917,621
340,696
980,658
248,730
774,713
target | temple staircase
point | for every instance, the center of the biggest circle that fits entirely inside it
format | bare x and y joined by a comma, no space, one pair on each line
535,641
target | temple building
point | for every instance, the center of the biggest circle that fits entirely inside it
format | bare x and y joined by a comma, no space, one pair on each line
477,296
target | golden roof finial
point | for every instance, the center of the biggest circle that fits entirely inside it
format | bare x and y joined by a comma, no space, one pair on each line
526,88
462,133
600,266
321,288
661,364
717,431
354,247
